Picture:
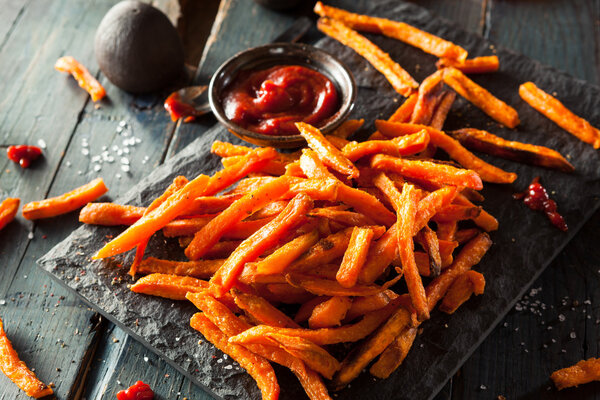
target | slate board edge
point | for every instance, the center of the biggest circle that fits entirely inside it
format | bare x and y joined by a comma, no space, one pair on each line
137,337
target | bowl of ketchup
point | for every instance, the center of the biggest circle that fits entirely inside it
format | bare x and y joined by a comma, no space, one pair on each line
260,93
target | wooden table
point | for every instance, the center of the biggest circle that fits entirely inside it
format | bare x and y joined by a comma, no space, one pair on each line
85,357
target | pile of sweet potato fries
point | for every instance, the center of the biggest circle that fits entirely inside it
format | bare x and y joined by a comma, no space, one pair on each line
290,253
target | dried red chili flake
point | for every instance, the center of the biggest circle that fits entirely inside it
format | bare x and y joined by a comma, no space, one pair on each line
138,391
23,154
536,197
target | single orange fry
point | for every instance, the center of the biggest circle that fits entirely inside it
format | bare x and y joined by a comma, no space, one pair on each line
83,77
354,257
65,203
168,286
553,109
481,98
8,211
202,269
17,371
584,371
110,214
440,174
477,65
329,313
328,153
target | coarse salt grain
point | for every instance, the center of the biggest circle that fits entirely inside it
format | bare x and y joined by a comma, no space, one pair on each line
2,302
97,167
146,358
125,168
228,367
85,152
41,143
561,318
572,335
30,235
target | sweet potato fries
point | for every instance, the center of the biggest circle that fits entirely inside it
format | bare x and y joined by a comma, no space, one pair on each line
333,238
292,253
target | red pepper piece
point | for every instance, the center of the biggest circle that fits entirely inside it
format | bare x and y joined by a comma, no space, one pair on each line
23,154
138,391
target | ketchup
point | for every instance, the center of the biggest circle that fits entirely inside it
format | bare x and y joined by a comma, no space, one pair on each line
178,108
270,101
138,391
536,198
23,154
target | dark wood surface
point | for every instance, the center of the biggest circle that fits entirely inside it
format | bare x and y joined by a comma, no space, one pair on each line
88,358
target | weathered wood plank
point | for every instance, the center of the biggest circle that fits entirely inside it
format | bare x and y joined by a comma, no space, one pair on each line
29,111
11,13
552,327
33,112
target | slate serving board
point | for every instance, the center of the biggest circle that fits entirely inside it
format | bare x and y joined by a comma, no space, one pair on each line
525,244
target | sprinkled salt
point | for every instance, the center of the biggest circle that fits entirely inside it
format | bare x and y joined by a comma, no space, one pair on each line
97,167
146,358
115,147
228,367
104,148
126,150
125,160
122,123
41,143
219,361
85,151
96,158
110,159
572,335
118,176
2,302
119,152
561,317
68,163
30,235
79,172
483,387
125,168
